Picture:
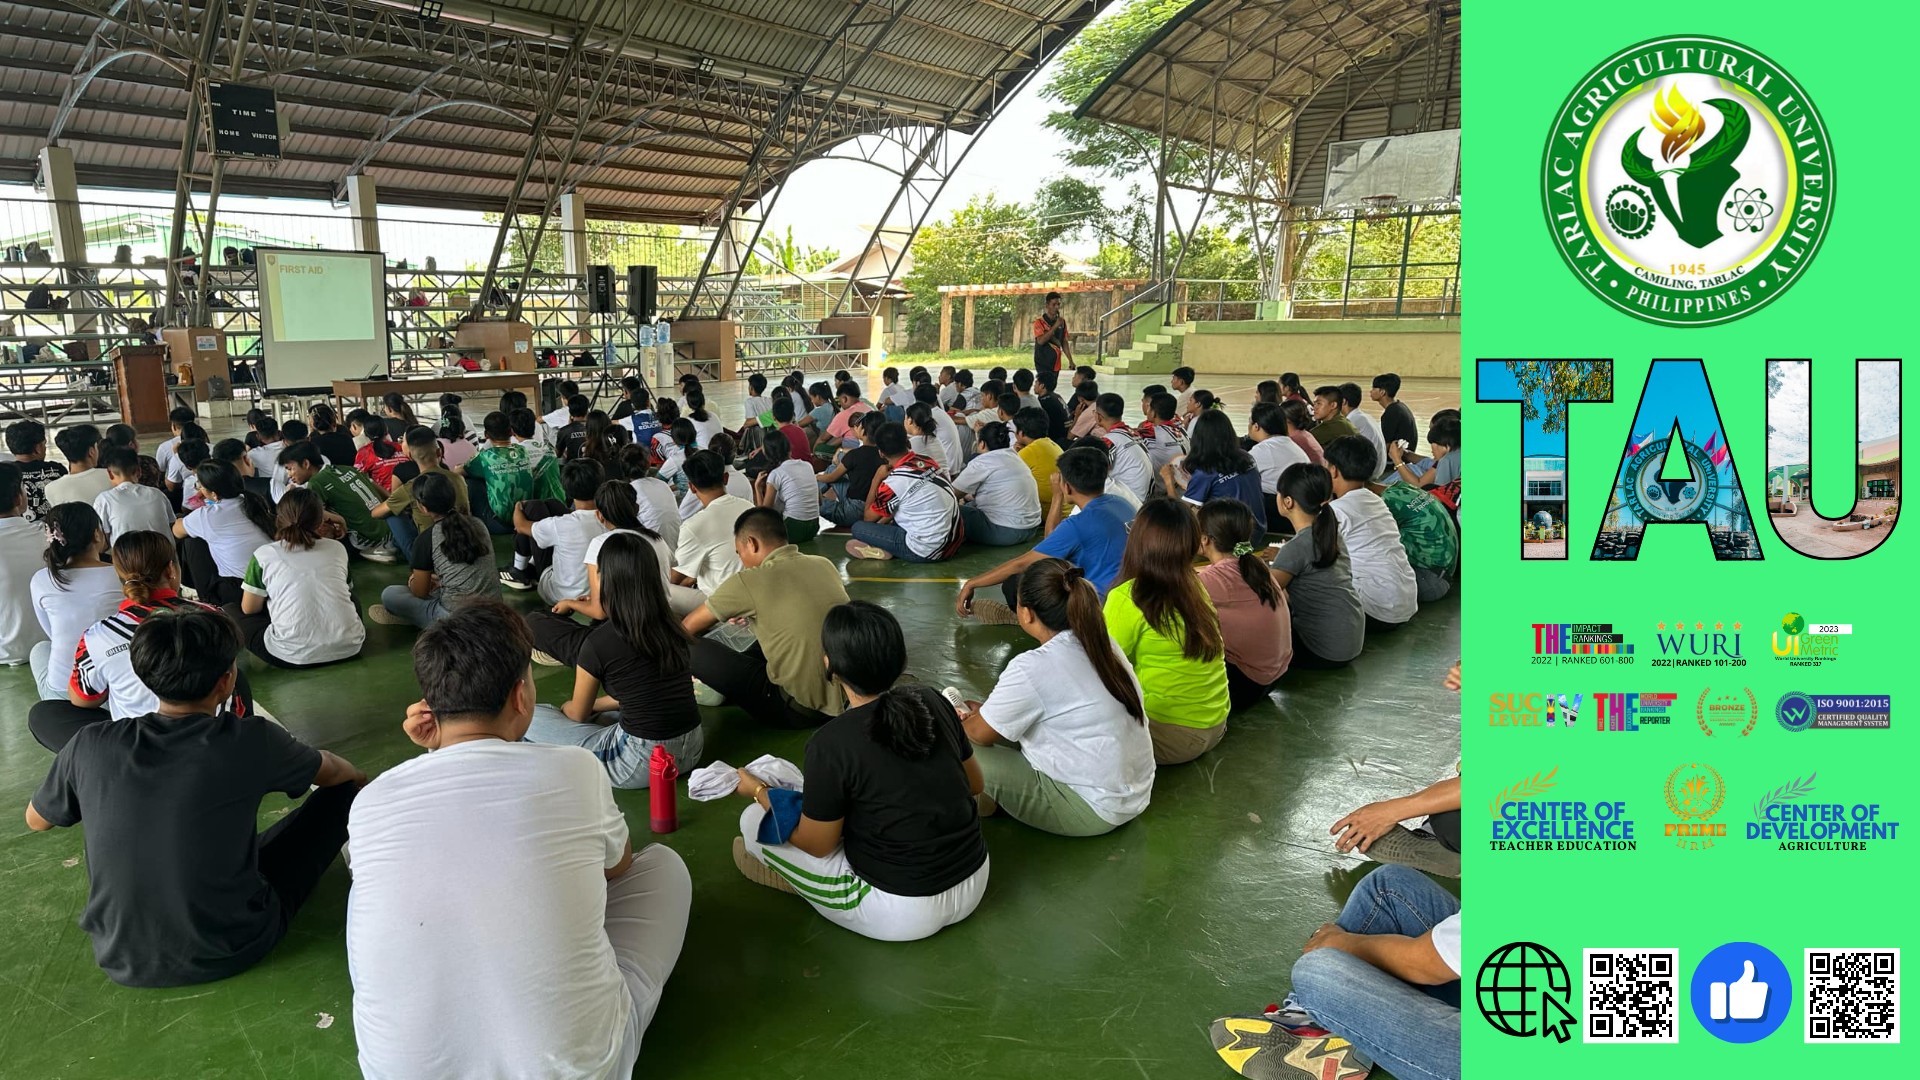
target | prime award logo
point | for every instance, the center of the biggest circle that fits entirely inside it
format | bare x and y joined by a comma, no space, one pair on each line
1688,180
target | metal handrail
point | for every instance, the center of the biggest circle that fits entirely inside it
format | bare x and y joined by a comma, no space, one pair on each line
1164,286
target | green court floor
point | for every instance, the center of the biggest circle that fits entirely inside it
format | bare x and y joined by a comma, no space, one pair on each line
1089,958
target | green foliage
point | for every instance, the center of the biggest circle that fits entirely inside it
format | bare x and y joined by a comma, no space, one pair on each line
789,255
1068,207
615,243
1083,65
1322,246
1546,386
985,241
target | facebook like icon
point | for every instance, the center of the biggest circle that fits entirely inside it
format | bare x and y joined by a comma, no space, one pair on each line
1741,992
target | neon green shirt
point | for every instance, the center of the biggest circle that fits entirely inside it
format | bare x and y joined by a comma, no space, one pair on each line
1177,690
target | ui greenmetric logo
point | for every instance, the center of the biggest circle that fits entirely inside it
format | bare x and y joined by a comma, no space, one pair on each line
1688,180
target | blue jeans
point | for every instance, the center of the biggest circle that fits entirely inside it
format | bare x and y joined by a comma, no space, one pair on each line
888,537
624,756
404,531
896,414
401,603
842,511
981,530
1412,1030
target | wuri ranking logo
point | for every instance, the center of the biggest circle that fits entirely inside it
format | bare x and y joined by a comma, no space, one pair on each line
1688,180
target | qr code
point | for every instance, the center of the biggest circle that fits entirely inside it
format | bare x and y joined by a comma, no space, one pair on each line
1630,996
1853,995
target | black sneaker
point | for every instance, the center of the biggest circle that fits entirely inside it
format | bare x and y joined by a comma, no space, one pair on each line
514,581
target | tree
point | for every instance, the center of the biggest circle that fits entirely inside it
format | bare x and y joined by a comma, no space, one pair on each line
1546,386
985,241
1083,65
614,243
1067,207
788,255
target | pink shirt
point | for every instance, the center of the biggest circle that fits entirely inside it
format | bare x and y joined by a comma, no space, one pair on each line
1305,441
842,424
1259,639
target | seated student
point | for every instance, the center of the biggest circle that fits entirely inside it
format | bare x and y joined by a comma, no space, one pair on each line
952,447
640,419
482,818
451,562
1442,468
923,437
1082,761
1002,507
1085,526
965,398
80,445
1164,624
680,438
1037,449
914,514
887,840
130,506
1131,467
181,890
1381,984
1350,397
1429,535
624,408
404,518
631,689
894,396
456,443
1329,421
603,444
399,414
192,454
849,483
147,470
850,407
705,555
505,472
27,442
1086,410
555,632
1329,624
571,435
655,503
297,608
1217,468
218,540
1180,381
1199,403
1434,847
21,548
177,420
1256,625
757,401
782,594
336,446
1381,573
265,453
1300,430
551,549
540,454
1272,451
1023,381
705,423
75,589
797,441
557,419
790,487
347,494
1396,420
1163,432
381,456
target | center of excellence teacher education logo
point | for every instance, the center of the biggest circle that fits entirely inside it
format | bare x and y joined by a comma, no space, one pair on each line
1688,180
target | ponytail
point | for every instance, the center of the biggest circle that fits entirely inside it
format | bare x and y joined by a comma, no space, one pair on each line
1228,526
70,529
1311,489
619,506
1060,596
867,652
142,559
903,725
298,518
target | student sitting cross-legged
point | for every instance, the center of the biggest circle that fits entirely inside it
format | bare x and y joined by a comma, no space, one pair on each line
182,890
632,688
130,506
218,539
789,485
296,609
1256,625
1083,763
1093,538
1003,501
550,552
75,589
886,839
1165,625
914,513
405,519
347,494
557,636
1381,573
499,874
1329,625
451,562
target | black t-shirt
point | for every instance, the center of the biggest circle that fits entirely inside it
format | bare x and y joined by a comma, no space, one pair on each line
170,805
862,462
336,446
1056,411
405,473
1396,424
571,439
622,409
34,477
655,703
910,826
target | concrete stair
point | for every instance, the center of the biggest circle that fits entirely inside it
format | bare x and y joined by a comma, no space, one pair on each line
1156,352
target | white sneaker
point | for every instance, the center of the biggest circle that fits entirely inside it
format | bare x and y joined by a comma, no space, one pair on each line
858,550
378,613
380,555
546,659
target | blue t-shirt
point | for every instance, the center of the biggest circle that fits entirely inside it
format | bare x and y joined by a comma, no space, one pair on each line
1095,538
1241,487
645,426
822,417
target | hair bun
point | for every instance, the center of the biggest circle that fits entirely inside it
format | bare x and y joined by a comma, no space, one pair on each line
1074,573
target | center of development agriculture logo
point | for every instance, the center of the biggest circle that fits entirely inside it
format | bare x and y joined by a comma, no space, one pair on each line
1688,180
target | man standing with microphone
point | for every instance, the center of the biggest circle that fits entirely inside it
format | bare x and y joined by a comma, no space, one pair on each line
1052,348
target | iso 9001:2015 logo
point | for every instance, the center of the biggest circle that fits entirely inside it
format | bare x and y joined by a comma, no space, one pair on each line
1688,180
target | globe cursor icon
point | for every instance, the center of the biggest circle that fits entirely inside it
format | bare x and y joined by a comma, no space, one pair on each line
1554,1018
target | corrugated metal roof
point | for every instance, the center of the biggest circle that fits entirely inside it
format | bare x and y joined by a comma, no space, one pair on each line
1236,73
668,141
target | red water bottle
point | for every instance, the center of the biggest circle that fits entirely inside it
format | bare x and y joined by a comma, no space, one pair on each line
662,775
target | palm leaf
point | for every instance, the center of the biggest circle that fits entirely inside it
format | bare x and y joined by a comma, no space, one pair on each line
1730,139
1638,165
1787,792
1525,789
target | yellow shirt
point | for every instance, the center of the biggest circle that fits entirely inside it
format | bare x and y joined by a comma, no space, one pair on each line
1042,456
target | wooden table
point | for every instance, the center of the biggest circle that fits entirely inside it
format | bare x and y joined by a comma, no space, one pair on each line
370,391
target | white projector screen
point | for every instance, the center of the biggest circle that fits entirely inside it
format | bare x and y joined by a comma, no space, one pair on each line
323,316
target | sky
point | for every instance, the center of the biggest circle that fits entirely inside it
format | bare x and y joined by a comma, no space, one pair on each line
1788,418
1494,381
828,203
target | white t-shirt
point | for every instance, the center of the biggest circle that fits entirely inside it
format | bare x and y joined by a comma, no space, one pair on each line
65,612
1446,941
165,453
315,620
899,394
1051,701
754,406
177,474
1273,456
948,392
21,545
705,430
129,507
553,422
738,486
266,459
78,487
657,510
479,877
1003,488
661,553
705,552
950,440
1129,466
1368,426
1381,574
223,524
930,447
795,491
567,535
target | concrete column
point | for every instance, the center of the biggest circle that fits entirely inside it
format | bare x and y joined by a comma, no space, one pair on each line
363,202
63,199
573,233
946,323
966,325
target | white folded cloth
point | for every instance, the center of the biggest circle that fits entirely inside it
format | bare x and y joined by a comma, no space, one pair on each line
719,780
